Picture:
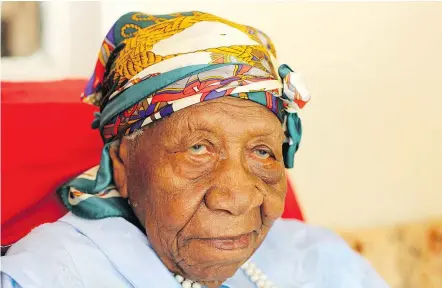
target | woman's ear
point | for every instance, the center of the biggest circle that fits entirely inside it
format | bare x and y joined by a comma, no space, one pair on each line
118,155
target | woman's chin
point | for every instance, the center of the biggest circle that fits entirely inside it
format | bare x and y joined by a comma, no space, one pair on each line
216,259
214,273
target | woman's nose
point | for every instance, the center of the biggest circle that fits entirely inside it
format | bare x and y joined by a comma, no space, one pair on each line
235,189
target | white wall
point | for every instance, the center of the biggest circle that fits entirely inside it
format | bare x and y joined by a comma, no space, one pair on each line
71,37
372,147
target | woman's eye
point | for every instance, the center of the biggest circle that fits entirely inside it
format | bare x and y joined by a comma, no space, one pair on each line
198,149
263,154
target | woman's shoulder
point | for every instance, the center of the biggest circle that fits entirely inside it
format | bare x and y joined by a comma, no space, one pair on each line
46,249
56,255
293,239
48,236
295,231
315,254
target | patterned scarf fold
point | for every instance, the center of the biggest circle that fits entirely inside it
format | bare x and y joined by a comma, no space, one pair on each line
150,66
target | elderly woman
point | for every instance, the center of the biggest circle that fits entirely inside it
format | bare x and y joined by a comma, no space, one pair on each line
199,123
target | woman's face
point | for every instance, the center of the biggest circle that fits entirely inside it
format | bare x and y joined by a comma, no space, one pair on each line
207,183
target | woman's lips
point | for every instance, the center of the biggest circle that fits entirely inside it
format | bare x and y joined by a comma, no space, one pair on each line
231,243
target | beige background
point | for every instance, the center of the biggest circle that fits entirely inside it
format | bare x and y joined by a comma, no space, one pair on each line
372,147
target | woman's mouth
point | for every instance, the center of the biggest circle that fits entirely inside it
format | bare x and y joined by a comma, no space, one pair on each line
231,243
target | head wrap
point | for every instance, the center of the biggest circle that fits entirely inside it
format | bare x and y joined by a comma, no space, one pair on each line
150,66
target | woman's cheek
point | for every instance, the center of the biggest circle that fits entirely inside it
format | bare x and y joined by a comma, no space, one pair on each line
192,167
269,170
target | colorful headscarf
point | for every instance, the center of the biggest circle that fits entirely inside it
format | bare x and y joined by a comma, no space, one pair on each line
150,66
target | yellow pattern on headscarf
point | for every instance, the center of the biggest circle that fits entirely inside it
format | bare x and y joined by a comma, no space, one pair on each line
137,54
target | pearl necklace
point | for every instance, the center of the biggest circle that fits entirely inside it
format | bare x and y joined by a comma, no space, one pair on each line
255,275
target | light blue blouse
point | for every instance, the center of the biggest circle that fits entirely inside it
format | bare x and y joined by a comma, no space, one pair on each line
111,252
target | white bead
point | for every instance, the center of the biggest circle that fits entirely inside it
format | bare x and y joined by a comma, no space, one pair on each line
186,284
254,278
253,272
179,278
250,270
251,265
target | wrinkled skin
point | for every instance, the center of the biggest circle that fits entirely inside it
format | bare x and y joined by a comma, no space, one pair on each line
206,174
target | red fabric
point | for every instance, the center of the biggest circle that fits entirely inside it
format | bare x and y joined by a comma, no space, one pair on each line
291,206
46,140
